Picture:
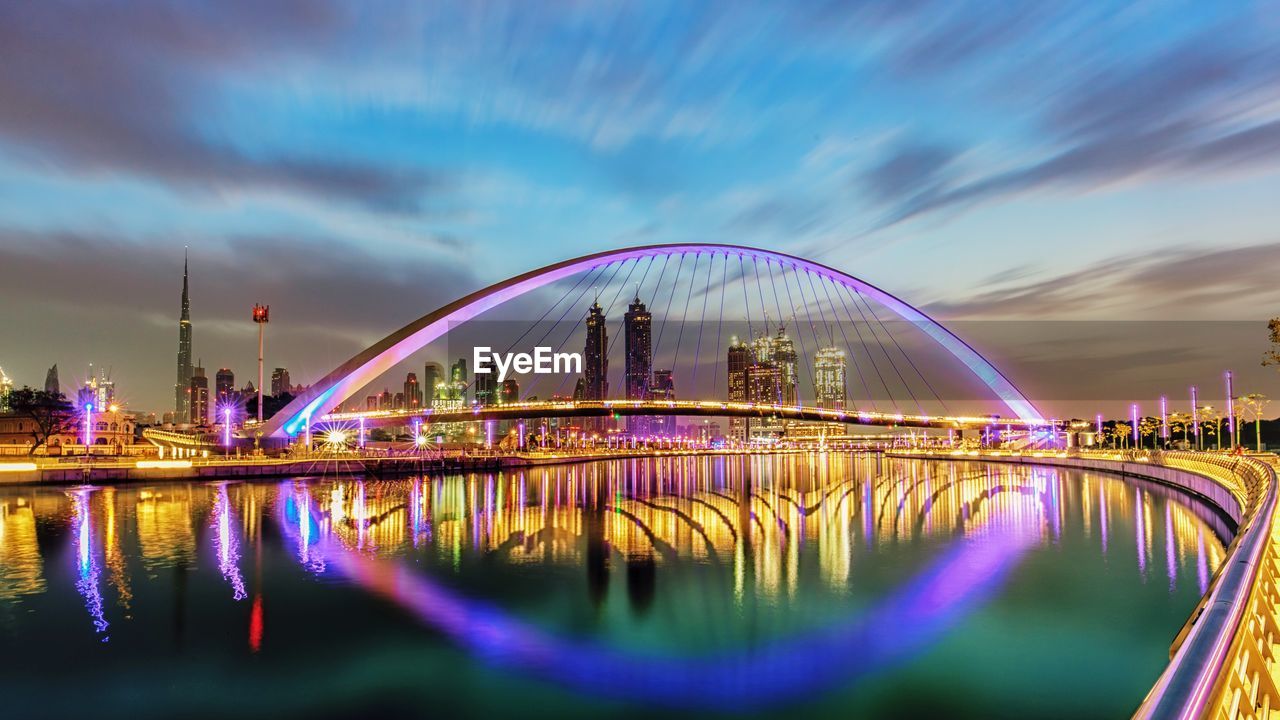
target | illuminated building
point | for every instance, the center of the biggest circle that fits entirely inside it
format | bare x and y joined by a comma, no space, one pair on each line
224,384
779,351
199,396
662,388
112,430
595,372
738,360
371,402
182,390
6,387
280,382
638,339
398,402
412,394
486,389
432,374
456,388
829,379
510,392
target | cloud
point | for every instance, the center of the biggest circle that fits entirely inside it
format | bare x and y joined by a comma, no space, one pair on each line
124,89
1182,283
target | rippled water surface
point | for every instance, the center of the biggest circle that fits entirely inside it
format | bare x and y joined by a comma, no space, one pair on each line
821,584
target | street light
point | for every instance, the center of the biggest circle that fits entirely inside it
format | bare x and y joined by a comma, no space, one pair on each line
261,314
88,427
226,429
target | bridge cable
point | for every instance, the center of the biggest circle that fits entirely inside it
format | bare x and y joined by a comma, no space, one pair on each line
702,320
724,286
843,336
908,358
742,274
870,356
565,378
776,302
791,301
684,316
581,279
657,346
884,351
574,326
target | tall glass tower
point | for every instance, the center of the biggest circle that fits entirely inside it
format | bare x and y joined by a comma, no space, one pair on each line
182,390
638,328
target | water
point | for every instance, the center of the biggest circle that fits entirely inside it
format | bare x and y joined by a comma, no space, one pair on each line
821,584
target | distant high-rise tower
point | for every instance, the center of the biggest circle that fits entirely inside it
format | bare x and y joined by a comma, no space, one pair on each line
51,384
199,395
486,388
738,360
638,339
595,374
412,395
224,384
662,388
432,375
280,382
182,390
458,381
829,378
510,392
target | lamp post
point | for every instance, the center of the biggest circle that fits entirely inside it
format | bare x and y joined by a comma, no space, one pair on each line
1231,411
226,430
1164,418
1195,417
88,427
261,314
1133,413
1098,422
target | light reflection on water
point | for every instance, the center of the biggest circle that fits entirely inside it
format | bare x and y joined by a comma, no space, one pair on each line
698,584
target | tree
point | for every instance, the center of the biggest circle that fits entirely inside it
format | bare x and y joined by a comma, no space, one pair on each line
1180,422
1148,427
50,414
1212,423
1121,432
1272,356
1251,406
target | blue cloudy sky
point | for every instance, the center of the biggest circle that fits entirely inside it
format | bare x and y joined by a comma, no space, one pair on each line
358,164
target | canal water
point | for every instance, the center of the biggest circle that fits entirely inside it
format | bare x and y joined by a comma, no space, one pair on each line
816,585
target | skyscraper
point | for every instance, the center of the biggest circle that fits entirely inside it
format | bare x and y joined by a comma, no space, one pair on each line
595,373
224,384
458,381
412,394
280,382
432,374
738,360
637,338
182,390
51,384
662,388
829,378
486,388
199,397
510,391
6,387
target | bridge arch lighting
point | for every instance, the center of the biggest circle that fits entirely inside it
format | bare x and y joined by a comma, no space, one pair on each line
347,379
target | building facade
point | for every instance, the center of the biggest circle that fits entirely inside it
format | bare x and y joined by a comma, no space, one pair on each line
199,397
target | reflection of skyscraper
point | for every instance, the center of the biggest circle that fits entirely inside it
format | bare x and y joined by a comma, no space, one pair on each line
738,360
637,328
829,378
595,375
199,397
182,390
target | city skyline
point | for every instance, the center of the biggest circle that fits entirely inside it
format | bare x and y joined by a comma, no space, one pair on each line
1064,163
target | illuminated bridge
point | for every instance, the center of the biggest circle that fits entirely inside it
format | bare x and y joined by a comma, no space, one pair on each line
731,331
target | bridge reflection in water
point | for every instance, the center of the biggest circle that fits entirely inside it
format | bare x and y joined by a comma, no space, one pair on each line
714,582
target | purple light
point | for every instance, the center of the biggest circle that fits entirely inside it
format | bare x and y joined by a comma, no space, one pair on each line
1098,419
1195,415
1133,412
357,372
226,428
361,432
88,427
1231,411
1164,417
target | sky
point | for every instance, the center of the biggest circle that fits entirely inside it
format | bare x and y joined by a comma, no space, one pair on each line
1044,176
